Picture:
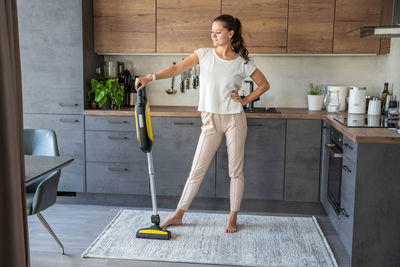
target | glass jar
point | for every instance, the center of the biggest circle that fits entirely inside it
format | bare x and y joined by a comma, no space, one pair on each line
331,101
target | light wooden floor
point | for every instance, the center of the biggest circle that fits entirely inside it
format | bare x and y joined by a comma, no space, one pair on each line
77,226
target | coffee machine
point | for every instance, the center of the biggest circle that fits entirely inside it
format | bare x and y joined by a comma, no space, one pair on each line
130,92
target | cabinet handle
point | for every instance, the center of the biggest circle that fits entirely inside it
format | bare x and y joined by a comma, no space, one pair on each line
117,122
118,169
117,138
69,120
344,212
256,124
68,105
184,123
346,169
348,146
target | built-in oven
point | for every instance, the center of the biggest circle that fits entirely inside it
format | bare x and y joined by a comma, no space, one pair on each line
335,148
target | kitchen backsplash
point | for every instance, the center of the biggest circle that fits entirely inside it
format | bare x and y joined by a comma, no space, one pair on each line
289,76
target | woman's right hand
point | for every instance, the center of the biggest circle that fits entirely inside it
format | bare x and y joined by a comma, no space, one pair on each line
142,81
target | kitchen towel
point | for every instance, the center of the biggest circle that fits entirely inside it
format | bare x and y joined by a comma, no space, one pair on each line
260,241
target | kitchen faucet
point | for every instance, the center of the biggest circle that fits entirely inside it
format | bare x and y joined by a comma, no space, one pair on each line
250,105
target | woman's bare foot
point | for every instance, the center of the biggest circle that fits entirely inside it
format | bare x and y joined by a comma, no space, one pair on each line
175,219
231,226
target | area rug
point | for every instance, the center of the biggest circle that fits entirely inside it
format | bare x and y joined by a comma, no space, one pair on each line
260,241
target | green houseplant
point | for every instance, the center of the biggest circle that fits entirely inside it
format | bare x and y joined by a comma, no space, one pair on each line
315,97
109,89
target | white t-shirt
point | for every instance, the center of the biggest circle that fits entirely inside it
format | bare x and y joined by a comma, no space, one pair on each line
218,77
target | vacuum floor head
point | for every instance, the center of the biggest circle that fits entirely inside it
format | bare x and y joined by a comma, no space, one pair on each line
154,232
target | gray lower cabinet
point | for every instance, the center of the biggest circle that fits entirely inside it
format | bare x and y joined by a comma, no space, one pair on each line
114,162
302,161
113,146
117,178
175,142
346,219
263,163
69,132
368,223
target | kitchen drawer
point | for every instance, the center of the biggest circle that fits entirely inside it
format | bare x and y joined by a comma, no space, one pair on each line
72,177
350,149
52,100
70,137
348,184
110,123
346,224
107,146
117,178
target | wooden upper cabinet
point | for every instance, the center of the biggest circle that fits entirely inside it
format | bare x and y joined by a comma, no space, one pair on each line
185,25
124,26
310,27
264,23
351,15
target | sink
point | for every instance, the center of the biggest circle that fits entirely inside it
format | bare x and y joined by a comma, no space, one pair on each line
262,110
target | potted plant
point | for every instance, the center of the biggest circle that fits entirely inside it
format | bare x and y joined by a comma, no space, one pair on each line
315,97
107,92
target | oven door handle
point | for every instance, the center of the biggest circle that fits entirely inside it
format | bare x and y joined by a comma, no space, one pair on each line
334,151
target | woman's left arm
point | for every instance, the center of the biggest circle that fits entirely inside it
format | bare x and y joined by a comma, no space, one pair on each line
262,84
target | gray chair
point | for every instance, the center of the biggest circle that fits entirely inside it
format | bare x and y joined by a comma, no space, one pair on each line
43,193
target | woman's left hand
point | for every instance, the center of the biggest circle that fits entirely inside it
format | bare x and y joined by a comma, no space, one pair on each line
235,96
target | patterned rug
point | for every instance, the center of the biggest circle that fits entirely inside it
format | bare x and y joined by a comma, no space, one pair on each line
260,241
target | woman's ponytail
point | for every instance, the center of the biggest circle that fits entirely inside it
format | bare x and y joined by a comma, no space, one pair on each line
234,24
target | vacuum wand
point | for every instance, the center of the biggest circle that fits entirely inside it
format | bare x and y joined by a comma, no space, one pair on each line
152,183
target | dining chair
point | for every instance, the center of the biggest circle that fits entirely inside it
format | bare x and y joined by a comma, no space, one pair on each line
42,194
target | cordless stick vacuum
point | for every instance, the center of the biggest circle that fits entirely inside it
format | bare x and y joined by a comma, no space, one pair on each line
145,138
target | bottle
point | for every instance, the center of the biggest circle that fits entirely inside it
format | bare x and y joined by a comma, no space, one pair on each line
385,92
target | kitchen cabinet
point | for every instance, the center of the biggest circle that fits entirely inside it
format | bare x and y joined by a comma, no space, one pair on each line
175,142
185,25
349,16
269,26
302,160
124,26
117,178
50,37
263,163
310,26
369,216
114,162
264,23
52,53
69,132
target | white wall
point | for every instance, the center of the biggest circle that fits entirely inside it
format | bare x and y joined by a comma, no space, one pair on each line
392,64
289,76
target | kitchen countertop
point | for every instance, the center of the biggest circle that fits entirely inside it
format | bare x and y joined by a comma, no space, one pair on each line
360,135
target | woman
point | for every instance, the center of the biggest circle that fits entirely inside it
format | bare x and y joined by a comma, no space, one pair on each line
223,70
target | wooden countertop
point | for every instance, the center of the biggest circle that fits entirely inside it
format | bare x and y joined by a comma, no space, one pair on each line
360,135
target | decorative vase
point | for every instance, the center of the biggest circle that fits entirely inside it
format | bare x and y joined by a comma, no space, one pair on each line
107,104
315,102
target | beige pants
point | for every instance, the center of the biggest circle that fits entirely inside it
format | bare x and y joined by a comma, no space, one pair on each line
215,126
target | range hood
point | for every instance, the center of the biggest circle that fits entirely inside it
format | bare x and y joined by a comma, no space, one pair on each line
384,31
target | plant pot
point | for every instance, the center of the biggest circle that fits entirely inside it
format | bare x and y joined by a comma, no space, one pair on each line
107,104
93,105
315,102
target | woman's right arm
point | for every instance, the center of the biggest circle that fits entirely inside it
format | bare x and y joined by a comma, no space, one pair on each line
170,71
